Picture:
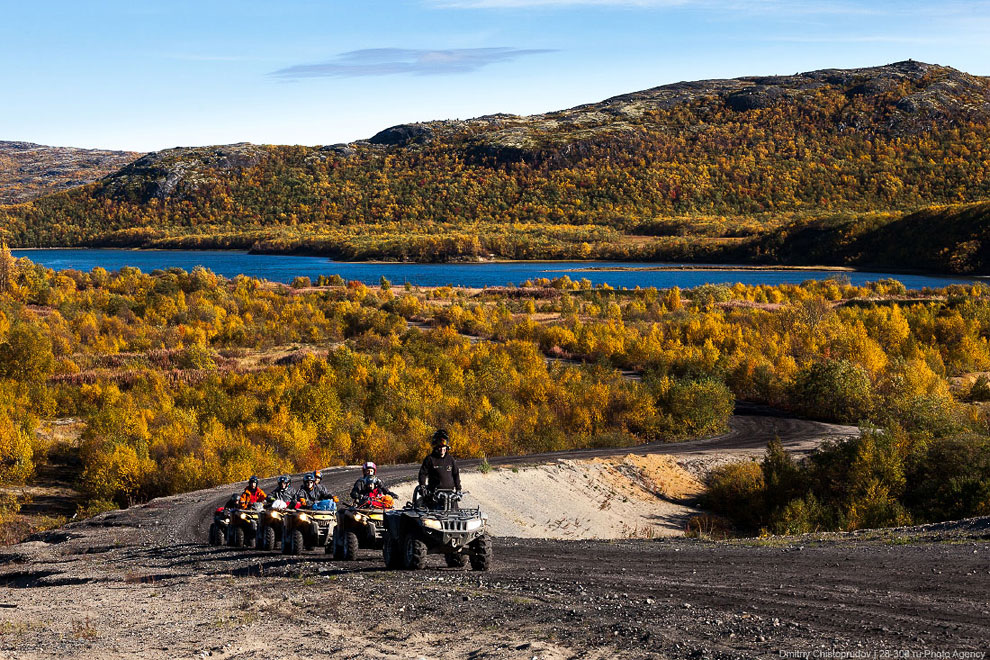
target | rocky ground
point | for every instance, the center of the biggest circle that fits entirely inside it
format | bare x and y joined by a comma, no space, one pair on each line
142,583
31,170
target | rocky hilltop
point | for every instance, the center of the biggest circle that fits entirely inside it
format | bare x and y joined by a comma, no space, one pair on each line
897,100
745,169
29,170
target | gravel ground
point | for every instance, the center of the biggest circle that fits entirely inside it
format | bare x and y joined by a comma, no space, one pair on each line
141,583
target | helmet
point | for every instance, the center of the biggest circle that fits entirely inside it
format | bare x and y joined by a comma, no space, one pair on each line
253,482
369,466
283,481
310,477
441,439
318,476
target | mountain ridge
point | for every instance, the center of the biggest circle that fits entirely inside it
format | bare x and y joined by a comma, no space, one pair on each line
696,170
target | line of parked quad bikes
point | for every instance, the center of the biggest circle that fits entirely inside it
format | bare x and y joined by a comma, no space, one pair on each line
309,518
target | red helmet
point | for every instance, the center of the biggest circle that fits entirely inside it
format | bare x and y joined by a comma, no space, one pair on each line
369,466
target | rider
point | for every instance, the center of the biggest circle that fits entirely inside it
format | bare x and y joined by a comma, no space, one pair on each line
439,471
369,483
252,494
282,491
310,493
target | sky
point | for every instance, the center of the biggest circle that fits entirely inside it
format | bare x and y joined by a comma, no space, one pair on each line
145,75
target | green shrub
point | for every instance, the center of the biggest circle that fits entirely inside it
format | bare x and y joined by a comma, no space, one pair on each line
804,515
737,491
834,390
950,479
782,478
696,408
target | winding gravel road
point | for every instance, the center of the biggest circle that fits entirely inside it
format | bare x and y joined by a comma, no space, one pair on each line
749,433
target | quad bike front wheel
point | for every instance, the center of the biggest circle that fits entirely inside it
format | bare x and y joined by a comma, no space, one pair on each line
216,535
238,541
481,553
392,552
296,542
339,551
267,538
414,553
351,544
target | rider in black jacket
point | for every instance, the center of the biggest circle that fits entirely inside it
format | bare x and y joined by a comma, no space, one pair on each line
310,493
439,471
282,491
367,484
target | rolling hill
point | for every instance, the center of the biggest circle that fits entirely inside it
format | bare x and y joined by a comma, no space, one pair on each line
833,166
29,170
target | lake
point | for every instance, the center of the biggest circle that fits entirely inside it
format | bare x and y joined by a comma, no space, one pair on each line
282,268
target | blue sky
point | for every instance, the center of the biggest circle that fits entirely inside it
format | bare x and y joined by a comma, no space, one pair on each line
146,75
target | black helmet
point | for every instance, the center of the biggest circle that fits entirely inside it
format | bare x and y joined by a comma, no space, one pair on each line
441,439
283,481
253,482
309,477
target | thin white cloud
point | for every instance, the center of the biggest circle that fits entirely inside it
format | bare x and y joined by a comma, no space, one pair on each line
778,7
864,39
407,61
195,57
512,4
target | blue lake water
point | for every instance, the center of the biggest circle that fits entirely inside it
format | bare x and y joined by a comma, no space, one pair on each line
281,268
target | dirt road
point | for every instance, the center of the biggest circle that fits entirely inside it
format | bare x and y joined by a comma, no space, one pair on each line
190,514
141,583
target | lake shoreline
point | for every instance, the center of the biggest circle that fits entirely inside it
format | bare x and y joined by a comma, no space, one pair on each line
591,268
617,274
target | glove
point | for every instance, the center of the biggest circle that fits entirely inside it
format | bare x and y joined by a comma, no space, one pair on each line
459,495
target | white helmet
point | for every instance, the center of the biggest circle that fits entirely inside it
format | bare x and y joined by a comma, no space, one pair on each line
369,466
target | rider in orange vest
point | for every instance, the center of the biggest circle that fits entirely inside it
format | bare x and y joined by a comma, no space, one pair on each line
252,494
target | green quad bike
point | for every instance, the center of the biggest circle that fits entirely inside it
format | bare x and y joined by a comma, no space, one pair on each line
305,529
359,526
433,524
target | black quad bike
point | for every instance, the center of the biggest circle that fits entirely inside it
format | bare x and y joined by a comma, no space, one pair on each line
433,524
305,529
234,527
270,524
359,526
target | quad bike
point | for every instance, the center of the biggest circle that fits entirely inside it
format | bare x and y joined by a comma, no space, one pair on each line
305,529
220,525
270,528
360,526
433,524
233,526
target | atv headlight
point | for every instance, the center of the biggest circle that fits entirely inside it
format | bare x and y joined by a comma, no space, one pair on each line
242,516
303,517
431,523
358,517
473,525
276,516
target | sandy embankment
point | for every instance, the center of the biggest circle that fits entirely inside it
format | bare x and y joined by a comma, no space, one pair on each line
603,498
